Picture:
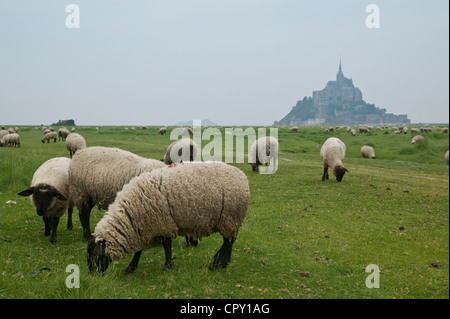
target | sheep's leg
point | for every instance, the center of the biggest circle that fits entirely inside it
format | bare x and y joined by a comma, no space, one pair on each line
223,257
54,221
47,226
167,244
191,242
85,214
325,173
134,263
69,218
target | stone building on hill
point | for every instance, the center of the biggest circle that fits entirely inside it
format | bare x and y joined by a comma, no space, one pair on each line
339,103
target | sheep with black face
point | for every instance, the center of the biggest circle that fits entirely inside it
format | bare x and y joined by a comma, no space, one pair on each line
49,194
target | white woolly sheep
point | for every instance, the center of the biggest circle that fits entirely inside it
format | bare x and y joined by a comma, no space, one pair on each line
162,131
182,150
50,136
332,154
293,129
195,199
262,151
417,139
96,174
367,151
353,132
445,130
405,129
3,133
49,194
364,129
187,131
446,157
75,142
415,130
10,140
63,133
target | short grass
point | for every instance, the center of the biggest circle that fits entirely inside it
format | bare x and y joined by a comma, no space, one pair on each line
302,238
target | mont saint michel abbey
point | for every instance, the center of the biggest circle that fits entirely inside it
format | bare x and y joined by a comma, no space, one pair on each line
339,103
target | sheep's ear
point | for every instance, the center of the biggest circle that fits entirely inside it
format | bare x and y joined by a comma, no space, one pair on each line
27,192
58,195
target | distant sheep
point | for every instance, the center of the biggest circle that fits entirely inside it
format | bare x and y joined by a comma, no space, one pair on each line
417,139
96,174
263,151
75,142
367,151
353,132
49,193
63,133
50,136
182,150
195,199
10,140
364,129
293,129
162,131
332,154
415,130
445,130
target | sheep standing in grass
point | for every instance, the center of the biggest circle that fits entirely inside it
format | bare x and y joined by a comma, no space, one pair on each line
367,151
196,199
63,133
96,174
182,150
10,140
332,154
262,151
49,193
353,132
50,136
75,142
162,131
417,139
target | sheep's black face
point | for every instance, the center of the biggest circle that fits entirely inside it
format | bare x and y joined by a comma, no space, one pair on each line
339,172
43,197
96,256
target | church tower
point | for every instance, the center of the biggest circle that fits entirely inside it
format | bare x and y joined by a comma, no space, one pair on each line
339,75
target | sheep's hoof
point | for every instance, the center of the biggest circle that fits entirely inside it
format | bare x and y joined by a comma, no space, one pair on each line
130,269
217,264
168,265
53,240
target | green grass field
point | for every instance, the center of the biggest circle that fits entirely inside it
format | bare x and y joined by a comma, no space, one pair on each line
302,238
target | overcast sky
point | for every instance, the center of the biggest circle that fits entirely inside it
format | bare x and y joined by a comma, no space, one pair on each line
235,62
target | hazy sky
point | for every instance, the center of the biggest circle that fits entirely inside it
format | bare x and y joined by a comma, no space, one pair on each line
235,62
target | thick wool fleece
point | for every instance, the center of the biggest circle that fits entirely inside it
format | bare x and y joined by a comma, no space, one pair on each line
75,142
54,172
367,151
269,144
195,199
96,174
332,152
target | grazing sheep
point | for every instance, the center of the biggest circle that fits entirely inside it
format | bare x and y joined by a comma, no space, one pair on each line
162,131
182,150
416,130
75,142
3,133
332,154
364,129
367,151
293,129
416,139
10,140
353,132
49,194
50,136
398,132
405,129
96,174
262,151
63,133
198,199
446,157
445,130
